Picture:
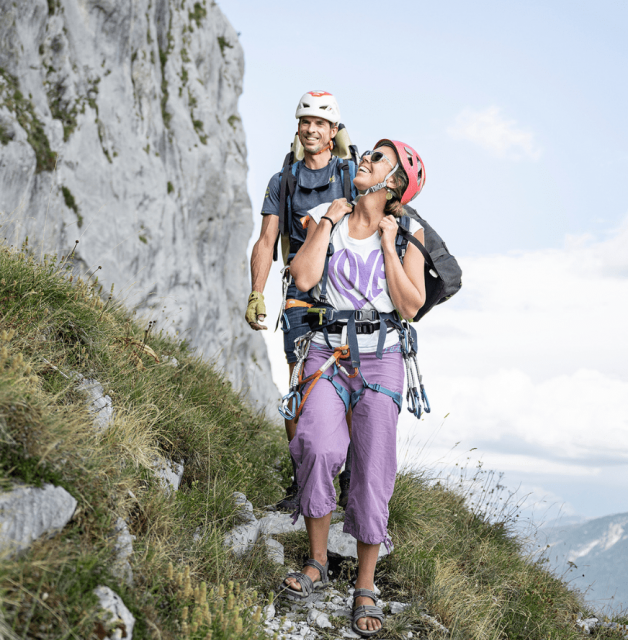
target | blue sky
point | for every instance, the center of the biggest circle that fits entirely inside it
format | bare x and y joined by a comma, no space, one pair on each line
519,113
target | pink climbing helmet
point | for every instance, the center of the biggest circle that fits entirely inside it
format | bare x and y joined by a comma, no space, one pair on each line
412,165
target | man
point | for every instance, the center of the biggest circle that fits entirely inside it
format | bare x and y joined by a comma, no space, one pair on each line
318,178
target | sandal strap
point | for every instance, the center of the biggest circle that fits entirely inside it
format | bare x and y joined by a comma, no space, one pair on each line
368,611
321,569
307,586
364,593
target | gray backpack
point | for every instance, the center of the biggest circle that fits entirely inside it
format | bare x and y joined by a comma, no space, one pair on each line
443,275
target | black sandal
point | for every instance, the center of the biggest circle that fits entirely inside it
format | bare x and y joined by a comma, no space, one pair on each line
307,586
366,611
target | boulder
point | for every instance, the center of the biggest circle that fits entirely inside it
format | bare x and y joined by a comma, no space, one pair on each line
118,618
99,404
345,545
123,549
169,473
245,508
27,513
276,522
274,549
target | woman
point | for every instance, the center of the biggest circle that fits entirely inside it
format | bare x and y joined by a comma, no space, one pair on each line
365,279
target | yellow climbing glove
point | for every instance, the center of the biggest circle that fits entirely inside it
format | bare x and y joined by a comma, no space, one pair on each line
256,310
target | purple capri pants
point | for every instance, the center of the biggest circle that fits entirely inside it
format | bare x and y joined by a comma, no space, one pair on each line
320,444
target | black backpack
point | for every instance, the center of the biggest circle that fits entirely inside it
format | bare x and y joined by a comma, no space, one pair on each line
443,275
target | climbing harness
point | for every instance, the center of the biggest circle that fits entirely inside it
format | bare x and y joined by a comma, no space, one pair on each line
442,280
293,402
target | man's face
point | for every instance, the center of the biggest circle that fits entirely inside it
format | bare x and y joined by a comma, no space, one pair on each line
316,133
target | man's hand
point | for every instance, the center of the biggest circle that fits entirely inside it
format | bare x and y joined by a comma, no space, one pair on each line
256,311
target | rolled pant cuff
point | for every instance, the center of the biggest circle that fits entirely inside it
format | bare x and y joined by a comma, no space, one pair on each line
366,538
318,513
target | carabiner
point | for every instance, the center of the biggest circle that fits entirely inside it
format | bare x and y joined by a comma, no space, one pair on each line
426,402
289,405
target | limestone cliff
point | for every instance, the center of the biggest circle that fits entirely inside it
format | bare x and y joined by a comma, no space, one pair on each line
119,128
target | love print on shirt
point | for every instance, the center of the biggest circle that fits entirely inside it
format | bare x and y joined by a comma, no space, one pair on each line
356,280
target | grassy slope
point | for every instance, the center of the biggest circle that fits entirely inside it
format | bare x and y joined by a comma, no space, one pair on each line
468,573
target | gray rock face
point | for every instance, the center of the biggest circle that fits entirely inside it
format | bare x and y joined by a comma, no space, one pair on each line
119,128
26,513
116,613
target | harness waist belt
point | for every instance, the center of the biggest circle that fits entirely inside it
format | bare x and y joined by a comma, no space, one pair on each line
360,327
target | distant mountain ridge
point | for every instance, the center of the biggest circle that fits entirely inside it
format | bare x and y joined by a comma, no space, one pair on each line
593,557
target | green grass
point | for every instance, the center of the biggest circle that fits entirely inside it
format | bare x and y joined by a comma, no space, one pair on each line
223,43
12,98
70,202
470,572
51,326
198,14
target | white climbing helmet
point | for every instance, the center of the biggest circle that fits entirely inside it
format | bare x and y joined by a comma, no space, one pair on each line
320,104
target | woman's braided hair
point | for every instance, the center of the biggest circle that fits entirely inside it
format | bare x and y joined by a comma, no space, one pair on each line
400,177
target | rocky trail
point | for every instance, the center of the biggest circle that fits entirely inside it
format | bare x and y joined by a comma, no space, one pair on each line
326,613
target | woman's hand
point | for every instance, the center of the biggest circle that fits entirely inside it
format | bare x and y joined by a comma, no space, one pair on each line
338,210
388,232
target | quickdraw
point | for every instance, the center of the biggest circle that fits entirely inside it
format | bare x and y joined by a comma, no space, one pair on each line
415,394
286,281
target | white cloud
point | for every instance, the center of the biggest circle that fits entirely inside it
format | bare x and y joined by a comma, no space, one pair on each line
493,132
529,361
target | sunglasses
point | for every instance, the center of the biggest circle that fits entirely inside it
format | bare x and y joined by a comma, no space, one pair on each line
376,156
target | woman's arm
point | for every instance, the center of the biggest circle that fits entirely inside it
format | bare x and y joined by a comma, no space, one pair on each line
406,283
308,264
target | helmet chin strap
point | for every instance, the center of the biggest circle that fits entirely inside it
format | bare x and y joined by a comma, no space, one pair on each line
376,187
329,147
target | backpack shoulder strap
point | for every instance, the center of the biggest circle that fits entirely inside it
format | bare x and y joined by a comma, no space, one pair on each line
401,243
285,190
408,237
348,170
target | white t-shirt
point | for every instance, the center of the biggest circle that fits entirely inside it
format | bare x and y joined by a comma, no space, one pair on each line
357,278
